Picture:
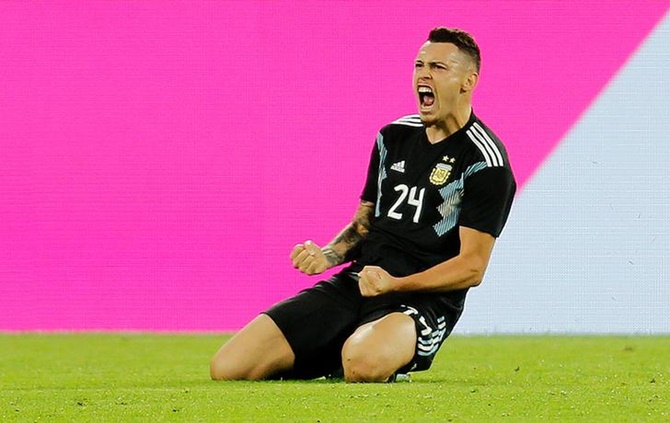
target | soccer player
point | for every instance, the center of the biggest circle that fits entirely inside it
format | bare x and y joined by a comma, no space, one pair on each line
438,192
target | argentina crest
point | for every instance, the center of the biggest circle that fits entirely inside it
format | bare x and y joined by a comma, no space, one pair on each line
440,174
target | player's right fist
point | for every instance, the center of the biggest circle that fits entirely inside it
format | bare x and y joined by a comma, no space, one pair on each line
309,259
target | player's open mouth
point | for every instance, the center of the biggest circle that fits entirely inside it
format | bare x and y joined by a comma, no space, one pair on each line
426,96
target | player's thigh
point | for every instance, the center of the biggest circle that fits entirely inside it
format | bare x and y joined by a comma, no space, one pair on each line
258,351
387,343
316,322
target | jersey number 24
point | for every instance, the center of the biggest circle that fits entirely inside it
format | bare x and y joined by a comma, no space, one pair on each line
414,198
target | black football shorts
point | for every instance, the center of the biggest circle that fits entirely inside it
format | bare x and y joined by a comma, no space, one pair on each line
318,320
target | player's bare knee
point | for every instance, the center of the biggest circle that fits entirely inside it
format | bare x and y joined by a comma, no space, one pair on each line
361,371
361,366
221,370
218,371
225,368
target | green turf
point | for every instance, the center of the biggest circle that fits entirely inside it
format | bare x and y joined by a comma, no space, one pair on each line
148,378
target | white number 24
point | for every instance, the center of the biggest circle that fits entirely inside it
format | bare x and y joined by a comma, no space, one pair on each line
413,199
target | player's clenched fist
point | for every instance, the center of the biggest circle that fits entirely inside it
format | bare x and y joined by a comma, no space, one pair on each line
309,259
373,281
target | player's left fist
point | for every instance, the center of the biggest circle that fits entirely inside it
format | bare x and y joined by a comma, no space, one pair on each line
373,281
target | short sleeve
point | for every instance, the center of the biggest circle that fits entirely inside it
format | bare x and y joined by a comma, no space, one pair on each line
487,200
370,188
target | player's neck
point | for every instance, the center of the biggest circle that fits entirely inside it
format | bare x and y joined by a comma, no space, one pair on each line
441,130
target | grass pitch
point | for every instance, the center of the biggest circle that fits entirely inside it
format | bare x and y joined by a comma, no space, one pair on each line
150,378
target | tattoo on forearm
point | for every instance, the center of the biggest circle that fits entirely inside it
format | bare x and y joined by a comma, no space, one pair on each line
351,235
332,256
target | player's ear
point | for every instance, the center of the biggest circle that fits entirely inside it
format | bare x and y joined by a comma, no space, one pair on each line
470,82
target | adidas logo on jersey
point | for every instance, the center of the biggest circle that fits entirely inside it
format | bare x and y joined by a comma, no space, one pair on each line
399,167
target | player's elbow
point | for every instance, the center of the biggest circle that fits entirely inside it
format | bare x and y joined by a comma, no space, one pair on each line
475,270
475,281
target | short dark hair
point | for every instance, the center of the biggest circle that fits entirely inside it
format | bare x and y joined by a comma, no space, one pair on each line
461,39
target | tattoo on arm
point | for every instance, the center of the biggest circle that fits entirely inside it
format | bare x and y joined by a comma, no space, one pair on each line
336,251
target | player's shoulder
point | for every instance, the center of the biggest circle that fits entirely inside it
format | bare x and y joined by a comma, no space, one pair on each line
486,143
407,123
409,120
399,131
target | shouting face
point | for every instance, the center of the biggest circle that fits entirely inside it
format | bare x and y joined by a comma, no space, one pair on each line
444,78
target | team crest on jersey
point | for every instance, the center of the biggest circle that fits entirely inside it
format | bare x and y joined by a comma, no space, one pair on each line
440,174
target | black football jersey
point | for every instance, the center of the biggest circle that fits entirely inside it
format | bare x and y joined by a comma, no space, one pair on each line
424,192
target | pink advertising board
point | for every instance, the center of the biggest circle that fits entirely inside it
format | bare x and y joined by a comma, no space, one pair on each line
158,161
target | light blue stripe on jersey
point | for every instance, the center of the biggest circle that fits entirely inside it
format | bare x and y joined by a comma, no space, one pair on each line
381,175
450,209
